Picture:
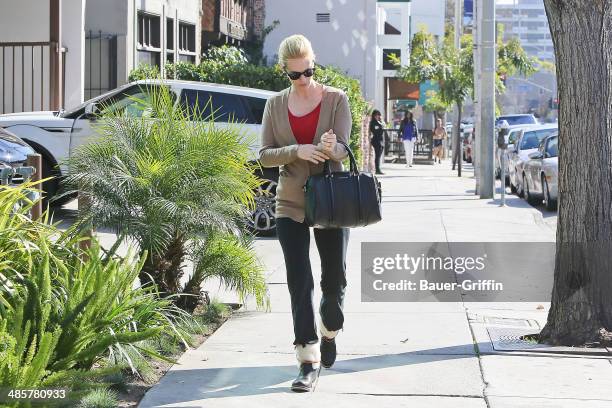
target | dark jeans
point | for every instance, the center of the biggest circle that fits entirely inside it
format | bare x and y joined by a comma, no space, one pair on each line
294,238
378,151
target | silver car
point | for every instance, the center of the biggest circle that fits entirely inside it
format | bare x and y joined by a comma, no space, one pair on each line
541,174
528,142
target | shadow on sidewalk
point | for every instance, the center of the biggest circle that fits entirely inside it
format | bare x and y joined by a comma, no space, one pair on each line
198,384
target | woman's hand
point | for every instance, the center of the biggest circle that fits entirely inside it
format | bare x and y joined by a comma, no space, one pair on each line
328,141
311,153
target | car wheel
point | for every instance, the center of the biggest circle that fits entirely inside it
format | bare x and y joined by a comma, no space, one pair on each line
263,220
531,199
549,203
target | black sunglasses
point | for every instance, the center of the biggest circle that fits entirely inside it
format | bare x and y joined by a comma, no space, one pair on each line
294,75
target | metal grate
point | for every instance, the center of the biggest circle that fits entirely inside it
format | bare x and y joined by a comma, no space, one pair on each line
512,339
323,17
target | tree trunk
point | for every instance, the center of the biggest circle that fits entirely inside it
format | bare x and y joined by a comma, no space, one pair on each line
165,270
581,302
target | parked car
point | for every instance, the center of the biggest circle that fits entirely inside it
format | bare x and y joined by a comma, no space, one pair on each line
518,119
527,142
541,174
55,134
13,153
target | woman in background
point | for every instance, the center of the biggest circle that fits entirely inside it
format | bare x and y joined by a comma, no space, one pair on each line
377,141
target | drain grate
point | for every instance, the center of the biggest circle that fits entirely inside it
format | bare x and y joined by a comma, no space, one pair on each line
505,321
511,339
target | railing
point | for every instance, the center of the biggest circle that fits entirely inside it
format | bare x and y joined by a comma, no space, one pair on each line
27,82
100,63
395,148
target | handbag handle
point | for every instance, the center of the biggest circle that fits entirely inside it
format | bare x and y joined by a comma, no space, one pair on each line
353,166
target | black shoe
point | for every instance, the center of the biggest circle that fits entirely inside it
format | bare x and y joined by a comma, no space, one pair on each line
306,379
328,352
379,172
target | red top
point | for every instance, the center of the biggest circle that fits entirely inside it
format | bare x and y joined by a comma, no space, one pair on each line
305,127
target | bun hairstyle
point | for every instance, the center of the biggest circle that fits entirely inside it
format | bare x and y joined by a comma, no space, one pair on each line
294,46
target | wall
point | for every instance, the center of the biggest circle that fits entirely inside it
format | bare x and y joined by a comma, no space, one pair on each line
345,42
428,13
73,39
24,20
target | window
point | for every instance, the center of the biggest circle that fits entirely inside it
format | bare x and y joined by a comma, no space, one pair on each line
552,148
186,37
323,17
387,64
148,39
256,105
187,42
532,139
170,38
130,102
148,30
223,107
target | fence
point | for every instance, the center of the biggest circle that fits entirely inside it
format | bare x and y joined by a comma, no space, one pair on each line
27,79
100,63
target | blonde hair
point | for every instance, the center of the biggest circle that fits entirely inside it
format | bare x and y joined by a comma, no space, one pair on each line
294,46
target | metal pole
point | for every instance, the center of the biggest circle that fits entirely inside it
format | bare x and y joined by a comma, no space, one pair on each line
457,146
487,100
477,92
502,176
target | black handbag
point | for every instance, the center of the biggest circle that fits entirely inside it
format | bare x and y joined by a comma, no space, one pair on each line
342,198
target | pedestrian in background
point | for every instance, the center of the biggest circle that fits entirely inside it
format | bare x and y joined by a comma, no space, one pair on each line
409,132
301,128
377,141
439,135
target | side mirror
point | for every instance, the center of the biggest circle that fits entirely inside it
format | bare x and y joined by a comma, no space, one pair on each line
91,109
536,155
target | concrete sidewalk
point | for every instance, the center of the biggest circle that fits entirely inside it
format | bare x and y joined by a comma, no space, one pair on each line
394,354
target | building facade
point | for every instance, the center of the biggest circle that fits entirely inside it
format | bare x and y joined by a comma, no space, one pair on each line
55,54
357,36
232,22
527,21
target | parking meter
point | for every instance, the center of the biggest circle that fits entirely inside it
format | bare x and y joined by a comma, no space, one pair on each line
502,144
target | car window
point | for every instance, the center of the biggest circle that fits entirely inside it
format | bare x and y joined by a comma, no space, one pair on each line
532,139
129,102
256,105
518,120
512,136
222,107
552,148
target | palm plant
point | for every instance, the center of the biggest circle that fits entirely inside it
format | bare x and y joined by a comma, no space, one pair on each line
175,183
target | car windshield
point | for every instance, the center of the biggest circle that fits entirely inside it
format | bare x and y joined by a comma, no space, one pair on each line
512,136
552,149
518,120
532,139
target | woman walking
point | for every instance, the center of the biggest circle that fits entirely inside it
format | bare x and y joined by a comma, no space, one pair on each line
300,130
377,129
439,135
409,132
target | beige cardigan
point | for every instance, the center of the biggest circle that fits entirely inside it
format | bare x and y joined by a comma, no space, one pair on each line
279,147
